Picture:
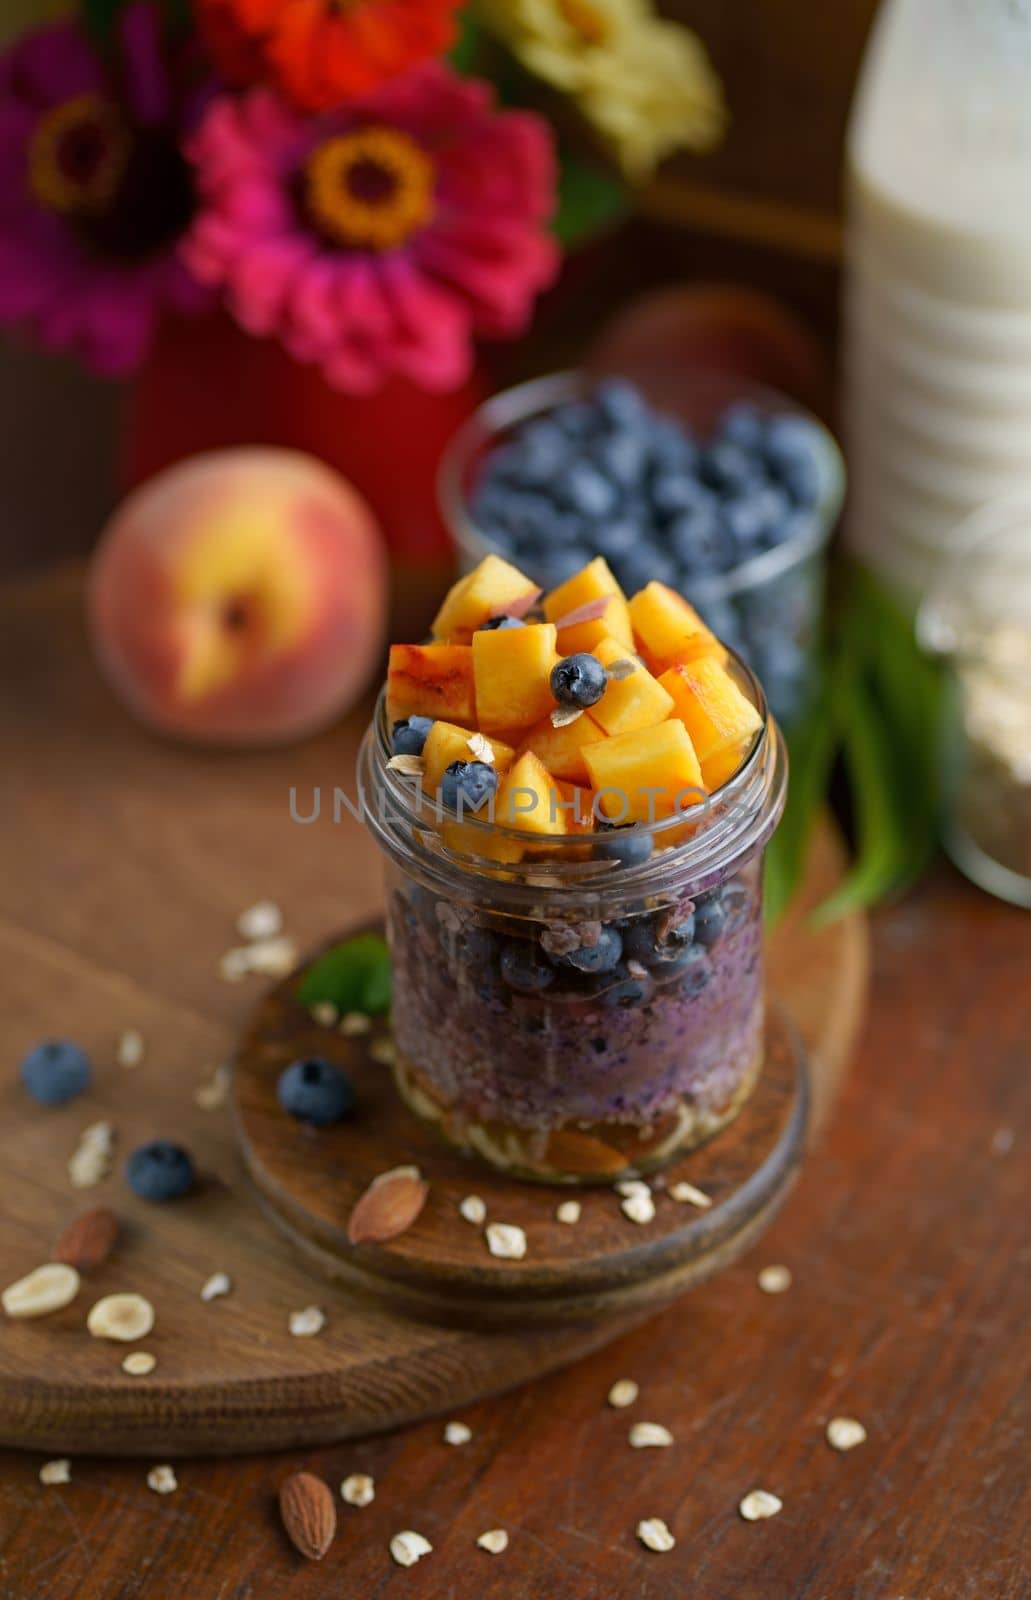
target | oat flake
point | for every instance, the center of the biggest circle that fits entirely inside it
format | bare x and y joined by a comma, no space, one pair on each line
506,1241
457,1433
481,748
162,1480
353,1023
774,1280
758,1505
218,1284
211,1096
138,1363
325,1014
56,1472
687,1194
473,1209
131,1048
383,1051
639,1207
263,920
623,1393
654,1534
650,1436
359,1489
407,1548
844,1433
495,1540
307,1323
569,1212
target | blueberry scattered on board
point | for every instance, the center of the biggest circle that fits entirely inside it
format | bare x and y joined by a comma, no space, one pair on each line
159,1171
610,475
55,1071
316,1091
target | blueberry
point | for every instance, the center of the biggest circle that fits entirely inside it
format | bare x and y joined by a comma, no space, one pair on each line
628,846
621,404
653,943
743,424
615,539
709,919
468,784
643,564
628,992
585,489
794,452
675,492
672,447
55,1071
526,968
561,562
544,452
410,735
493,623
694,969
696,539
600,957
159,1171
577,419
578,680
477,946
315,1091
623,459
727,467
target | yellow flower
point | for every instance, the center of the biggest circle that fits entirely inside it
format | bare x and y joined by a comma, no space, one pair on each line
645,84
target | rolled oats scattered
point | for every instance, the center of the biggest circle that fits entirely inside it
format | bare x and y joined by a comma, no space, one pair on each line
495,1540
162,1480
234,965
457,1433
563,716
774,1280
131,1048
90,1162
758,1505
407,1548
481,748
325,1014
687,1194
569,1212
623,668
56,1472
639,1207
844,1433
631,1186
623,1393
359,1489
138,1363
47,1289
125,1317
650,1436
272,958
211,1096
473,1209
407,766
383,1051
654,1534
506,1240
217,1285
353,1023
263,920
307,1323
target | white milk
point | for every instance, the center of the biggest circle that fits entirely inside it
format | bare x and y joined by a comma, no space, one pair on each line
938,278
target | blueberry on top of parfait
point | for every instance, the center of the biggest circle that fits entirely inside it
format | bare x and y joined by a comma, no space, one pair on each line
409,735
493,623
468,785
578,681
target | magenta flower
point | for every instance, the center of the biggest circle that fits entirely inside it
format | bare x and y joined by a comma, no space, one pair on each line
378,238
95,193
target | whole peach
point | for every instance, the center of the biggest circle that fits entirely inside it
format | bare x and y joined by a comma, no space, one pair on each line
240,598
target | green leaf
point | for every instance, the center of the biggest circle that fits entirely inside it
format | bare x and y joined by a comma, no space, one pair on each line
811,749
353,976
589,200
465,53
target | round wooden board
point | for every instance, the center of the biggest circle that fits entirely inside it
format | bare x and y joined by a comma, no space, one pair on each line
310,1179
126,861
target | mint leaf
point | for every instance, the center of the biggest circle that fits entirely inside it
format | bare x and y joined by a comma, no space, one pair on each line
589,200
353,976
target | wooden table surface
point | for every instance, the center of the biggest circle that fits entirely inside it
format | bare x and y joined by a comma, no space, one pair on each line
905,1236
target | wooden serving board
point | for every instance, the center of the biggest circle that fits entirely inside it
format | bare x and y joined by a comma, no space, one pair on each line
125,862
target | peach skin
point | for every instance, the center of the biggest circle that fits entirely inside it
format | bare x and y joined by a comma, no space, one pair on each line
240,598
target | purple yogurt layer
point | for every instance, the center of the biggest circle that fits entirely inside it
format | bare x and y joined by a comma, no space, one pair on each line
541,1061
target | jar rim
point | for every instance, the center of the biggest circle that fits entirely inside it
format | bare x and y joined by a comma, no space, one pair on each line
511,407
732,822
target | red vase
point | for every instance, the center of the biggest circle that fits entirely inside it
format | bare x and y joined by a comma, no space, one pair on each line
207,385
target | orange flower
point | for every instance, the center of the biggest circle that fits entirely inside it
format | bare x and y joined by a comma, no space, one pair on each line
322,53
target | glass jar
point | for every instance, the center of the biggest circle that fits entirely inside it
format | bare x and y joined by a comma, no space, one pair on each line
977,619
769,608
567,1016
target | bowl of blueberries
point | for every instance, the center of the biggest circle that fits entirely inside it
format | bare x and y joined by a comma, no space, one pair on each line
729,493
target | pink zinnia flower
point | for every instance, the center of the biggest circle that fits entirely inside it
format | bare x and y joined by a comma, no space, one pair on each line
378,238
95,193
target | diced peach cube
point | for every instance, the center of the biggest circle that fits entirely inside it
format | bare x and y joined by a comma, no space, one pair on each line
431,680
594,582
561,749
647,774
446,742
636,701
530,799
490,587
717,715
512,668
667,629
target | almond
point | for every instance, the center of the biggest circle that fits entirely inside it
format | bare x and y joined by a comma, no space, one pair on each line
88,1240
386,1209
309,1514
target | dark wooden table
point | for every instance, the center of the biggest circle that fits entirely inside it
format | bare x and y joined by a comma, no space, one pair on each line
906,1237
